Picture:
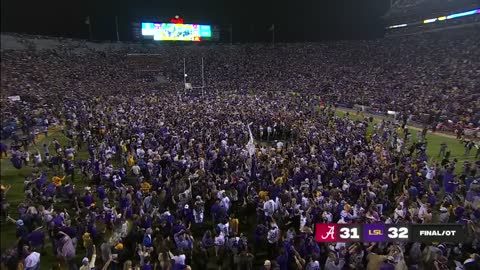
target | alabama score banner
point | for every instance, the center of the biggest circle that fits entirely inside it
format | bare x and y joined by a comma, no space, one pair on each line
380,232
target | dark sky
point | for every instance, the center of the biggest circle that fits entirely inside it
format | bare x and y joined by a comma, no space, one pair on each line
301,20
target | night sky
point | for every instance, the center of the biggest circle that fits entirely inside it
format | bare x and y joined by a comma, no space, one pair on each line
301,20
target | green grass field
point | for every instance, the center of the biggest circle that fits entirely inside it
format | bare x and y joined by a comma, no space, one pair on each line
456,148
14,177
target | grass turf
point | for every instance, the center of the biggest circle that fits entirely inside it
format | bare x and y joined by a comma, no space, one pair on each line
456,147
14,177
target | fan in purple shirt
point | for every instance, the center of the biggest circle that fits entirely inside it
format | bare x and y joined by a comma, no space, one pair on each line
451,187
260,232
178,227
40,181
72,232
50,190
146,222
207,240
215,210
88,199
101,192
36,238
282,260
124,202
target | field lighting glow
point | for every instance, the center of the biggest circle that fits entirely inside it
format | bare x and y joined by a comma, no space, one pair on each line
441,18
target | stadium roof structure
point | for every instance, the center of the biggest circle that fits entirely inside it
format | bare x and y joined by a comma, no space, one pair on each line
405,10
417,16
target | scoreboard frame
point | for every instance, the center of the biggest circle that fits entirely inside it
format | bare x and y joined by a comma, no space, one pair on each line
138,36
381,232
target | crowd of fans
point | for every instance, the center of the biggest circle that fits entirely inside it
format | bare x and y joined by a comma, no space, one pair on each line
236,179
432,78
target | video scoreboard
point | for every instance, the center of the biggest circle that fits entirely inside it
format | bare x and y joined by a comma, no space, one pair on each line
175,30
380,232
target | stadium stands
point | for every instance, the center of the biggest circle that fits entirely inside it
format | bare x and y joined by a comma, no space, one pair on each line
387,74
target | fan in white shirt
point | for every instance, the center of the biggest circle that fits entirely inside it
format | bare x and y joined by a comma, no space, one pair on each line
327,216
225,202
279,145
136,169
140,152
273,234
179,259
32,261
269,207
220,239
224,228
303,220
38,158
399,212
305,202
423,211
313,265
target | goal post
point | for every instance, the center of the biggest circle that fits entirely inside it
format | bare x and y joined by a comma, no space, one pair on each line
189,85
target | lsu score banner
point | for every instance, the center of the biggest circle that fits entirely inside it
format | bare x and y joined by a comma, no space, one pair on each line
379,232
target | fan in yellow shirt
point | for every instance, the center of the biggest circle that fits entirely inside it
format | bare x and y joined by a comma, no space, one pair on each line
234,225
279,181
87,240
263,195
131,160
58,180
145,187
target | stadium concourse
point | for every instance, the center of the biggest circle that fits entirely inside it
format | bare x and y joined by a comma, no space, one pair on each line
139,177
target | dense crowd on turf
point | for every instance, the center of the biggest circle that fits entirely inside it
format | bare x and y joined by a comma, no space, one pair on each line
150,179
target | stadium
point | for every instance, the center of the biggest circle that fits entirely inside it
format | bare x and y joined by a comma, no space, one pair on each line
197,137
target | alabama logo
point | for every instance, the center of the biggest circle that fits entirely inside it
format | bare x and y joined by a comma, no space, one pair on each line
326,232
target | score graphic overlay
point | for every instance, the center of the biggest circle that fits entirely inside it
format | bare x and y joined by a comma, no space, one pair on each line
374,232
326,232
426,233
349,232
397,233
379,232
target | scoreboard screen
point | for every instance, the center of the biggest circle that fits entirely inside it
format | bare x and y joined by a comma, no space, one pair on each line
176,32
